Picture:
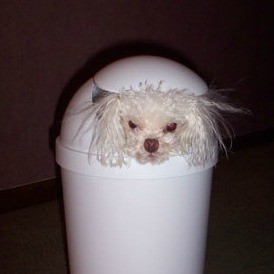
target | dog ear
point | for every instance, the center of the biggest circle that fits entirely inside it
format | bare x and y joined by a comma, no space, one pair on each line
108,134
202,132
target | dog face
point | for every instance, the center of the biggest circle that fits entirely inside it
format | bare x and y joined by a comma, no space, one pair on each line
151,125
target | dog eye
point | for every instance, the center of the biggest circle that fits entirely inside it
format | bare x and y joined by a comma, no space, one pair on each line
171,127
132,125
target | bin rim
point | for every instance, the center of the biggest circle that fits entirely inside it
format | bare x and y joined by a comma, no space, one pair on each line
82,163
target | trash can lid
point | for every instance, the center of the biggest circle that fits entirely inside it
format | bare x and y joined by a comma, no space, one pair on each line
73,148
130,72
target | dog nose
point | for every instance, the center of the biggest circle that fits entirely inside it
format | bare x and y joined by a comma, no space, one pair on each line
151,145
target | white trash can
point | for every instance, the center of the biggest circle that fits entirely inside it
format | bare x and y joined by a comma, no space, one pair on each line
137,218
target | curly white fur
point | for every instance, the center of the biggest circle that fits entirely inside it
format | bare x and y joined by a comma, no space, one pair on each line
198,120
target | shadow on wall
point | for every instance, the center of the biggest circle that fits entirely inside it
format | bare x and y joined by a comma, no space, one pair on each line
100,60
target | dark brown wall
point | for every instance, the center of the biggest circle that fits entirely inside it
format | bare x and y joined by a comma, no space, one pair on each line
49,48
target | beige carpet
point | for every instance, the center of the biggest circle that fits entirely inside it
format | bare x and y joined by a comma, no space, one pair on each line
241,226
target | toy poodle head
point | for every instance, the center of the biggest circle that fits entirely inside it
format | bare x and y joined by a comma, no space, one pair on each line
151,125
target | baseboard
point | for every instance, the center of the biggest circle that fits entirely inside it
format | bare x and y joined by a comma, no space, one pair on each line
253,139
48,190
30,194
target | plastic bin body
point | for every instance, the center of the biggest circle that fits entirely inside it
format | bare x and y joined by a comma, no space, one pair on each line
136,219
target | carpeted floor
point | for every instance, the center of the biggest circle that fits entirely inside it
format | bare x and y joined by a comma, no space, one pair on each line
241,225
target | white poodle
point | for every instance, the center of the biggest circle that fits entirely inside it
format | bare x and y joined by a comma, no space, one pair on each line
151,125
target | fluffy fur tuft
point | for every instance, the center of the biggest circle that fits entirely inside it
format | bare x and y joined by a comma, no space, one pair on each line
177,122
